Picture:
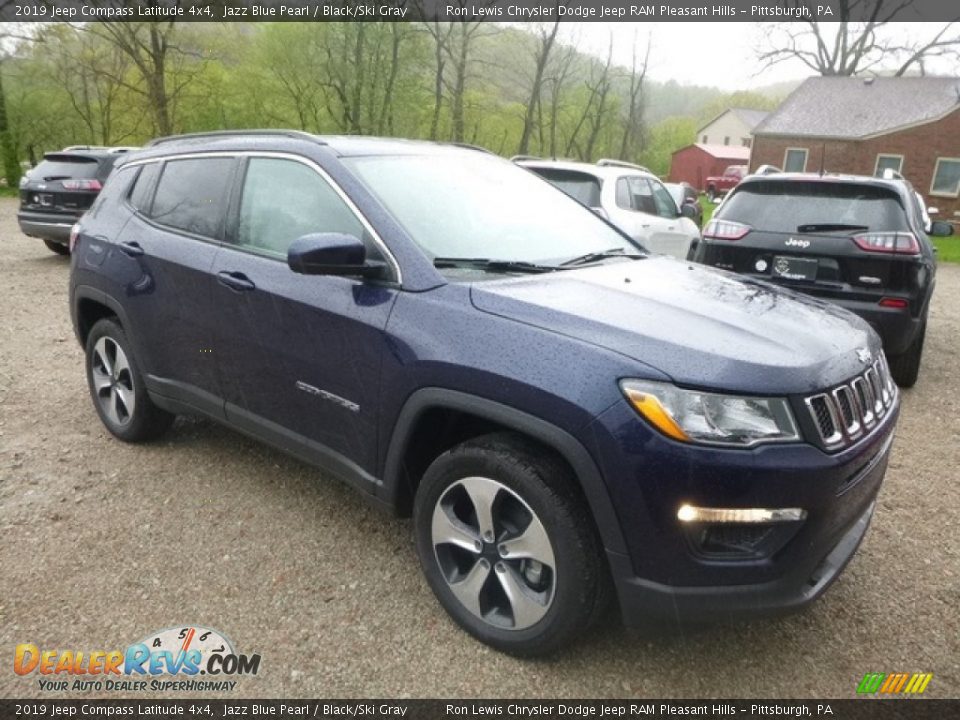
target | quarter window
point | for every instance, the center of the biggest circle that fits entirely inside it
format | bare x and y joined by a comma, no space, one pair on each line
284,200
142,192
795,160
946,177
192,195
888,162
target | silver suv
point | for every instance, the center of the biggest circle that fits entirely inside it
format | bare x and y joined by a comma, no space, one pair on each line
627,195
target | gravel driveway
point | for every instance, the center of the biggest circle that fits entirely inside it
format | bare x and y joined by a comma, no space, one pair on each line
102,543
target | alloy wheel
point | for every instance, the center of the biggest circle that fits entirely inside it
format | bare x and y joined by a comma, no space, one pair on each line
494,553
113,381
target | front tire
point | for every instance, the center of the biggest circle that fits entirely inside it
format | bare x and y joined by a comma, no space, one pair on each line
117,388
508,546
905,368
58,248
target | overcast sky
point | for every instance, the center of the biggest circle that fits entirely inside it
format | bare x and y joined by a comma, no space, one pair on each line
720,54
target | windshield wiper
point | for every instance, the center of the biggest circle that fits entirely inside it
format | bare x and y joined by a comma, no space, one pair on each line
829,227
492,265
597,256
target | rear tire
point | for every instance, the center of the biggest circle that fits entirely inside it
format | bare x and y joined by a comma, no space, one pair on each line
905,368
508,545
58,248
116,386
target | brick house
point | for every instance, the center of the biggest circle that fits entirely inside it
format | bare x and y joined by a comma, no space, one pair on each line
864,125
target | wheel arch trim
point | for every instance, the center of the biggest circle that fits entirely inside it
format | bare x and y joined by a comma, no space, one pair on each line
566,445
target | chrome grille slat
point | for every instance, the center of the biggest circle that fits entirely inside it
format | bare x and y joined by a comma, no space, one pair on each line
844,414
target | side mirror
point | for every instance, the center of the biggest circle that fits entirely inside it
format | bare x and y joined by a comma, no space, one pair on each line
688,211
332,254
939,228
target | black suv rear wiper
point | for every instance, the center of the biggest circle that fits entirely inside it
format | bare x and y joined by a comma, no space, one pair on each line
492,265
829,227
596,256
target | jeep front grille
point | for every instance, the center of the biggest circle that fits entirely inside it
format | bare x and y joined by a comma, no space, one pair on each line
846,413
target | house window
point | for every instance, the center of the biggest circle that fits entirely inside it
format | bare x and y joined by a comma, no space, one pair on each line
888,162
746,142
795,160
726,140
946,177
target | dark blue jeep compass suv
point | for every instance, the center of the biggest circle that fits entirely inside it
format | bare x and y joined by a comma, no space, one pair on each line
567,418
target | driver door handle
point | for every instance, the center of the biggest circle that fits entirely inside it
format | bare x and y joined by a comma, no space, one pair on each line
235,281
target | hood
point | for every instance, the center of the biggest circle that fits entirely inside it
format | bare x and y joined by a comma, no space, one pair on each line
701,327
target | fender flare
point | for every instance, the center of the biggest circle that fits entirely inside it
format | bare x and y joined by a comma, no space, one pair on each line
86,292
572,450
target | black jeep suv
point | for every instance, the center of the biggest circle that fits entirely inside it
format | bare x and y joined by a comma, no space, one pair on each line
55,193
860,242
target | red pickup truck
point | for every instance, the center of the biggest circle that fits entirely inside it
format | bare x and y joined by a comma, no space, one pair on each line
718,185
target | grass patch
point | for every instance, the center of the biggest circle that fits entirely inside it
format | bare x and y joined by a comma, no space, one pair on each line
9,192
948,248
708,208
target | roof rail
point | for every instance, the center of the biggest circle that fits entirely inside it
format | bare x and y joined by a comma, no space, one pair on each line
213,134
521,158
767,170
72,148
891,174
608,162
122,149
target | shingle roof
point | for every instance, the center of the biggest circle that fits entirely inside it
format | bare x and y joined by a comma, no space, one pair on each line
750,117
725,152
856,107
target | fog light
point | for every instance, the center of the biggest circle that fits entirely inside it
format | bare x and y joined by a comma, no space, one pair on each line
691,513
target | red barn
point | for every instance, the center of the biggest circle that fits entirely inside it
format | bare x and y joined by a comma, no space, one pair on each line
695,163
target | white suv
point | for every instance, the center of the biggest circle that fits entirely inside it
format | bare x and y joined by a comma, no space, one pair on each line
629,196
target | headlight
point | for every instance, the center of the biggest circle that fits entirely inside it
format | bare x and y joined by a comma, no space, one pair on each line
702,417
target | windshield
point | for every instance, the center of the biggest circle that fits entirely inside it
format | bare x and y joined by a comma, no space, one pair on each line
473,205
788,206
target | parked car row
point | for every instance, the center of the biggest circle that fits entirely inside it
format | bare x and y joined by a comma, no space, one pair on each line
567,417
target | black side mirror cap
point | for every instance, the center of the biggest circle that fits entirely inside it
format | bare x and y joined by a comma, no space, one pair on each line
939,228
332,254
688,211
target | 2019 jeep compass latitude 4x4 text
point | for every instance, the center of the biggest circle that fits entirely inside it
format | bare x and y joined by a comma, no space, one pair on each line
561,413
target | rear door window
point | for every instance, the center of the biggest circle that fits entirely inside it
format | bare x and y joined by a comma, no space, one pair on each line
784,207
192,195
583,187
635,193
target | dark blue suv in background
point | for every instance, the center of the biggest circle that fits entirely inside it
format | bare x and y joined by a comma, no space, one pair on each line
568,418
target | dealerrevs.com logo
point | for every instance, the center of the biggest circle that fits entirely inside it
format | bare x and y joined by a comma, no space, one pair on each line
188,658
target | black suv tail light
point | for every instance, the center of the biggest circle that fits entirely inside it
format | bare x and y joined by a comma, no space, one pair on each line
725,230
900,243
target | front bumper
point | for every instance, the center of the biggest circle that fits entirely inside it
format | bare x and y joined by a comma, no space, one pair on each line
47,226
666,580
